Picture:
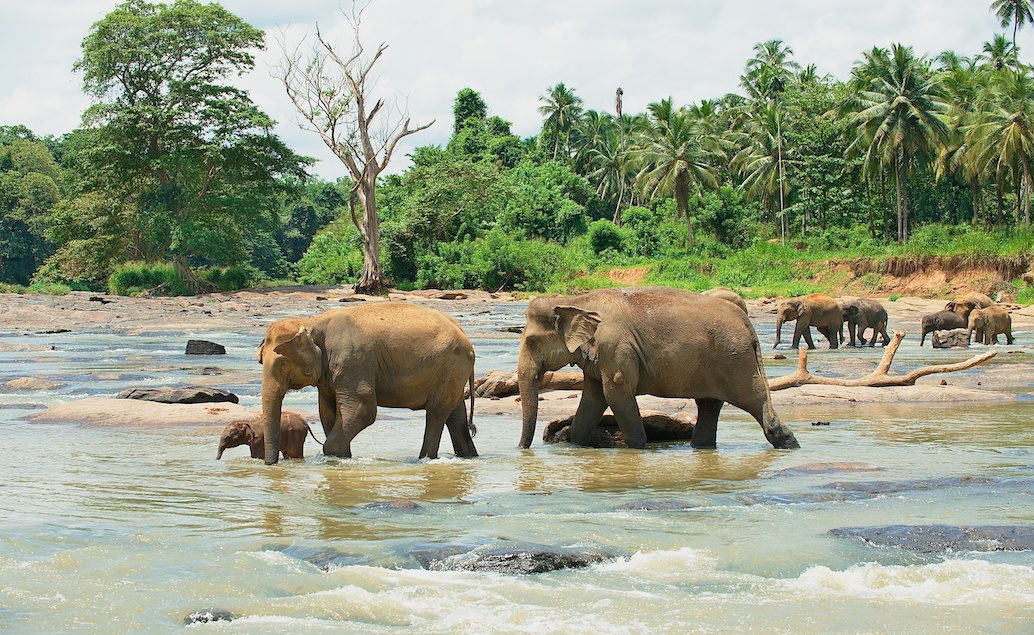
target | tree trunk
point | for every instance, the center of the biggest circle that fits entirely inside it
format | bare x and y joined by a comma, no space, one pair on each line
904,200
897,186
1026,194
975,190
1016,210
194,283
372,278
682,203
1000,218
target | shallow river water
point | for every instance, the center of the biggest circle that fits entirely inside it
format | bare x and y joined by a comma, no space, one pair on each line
116,530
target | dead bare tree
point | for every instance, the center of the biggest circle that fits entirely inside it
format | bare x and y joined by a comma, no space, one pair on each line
333,95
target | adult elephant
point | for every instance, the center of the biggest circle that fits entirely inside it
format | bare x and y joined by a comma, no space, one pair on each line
988,324
646,340
726,293
965,304
861,314
940,321
385,354
818,310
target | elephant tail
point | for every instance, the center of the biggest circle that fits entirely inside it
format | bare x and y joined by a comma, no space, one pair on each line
470,419
313,434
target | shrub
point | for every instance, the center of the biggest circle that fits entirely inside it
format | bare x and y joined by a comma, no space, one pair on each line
133,278
493,262
604,235
334,257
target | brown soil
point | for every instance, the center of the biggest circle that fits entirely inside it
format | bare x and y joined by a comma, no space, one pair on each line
632,275
930,276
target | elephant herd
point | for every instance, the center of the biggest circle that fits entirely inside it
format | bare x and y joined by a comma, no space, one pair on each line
628,342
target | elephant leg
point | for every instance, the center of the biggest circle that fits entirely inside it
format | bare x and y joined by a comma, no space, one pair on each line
328,410
853,330
435,423
630,422
459,432
797,332
1009,339
825,332
705,432
590,411
806,332
354,416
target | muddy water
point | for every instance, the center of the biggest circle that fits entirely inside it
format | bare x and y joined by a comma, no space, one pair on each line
108,530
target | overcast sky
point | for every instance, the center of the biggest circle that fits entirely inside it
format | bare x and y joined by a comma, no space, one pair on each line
509,50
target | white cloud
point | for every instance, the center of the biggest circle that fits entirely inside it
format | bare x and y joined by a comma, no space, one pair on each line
510,51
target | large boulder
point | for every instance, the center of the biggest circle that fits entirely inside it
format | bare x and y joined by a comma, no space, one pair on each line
955,338
938,538
511,558
101,411
204,347
167,394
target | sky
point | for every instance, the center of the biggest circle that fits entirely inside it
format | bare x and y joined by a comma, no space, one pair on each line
509,50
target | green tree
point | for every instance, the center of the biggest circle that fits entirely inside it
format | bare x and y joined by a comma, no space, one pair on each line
896,113
193,154
467,105
28,190
1014,12
998,52
562,109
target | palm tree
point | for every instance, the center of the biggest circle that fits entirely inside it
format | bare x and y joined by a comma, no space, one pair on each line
675,153
1002,136
589,132
962,83
998,52
609,162
769,70
561,108
1015,12
763,159
895,111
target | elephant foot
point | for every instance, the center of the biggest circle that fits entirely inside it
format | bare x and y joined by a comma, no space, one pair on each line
783,440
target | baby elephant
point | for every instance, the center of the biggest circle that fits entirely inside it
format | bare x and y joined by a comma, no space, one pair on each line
940,321
861,314
250,432
989,323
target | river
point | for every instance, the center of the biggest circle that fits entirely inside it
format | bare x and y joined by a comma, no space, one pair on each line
116,530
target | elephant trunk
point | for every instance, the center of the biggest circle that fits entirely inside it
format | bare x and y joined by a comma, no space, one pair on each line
222,448
779,331
528,384
272,404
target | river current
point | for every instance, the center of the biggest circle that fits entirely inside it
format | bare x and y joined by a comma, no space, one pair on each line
125,530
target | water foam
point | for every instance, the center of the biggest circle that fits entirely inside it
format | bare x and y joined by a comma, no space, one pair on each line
664,566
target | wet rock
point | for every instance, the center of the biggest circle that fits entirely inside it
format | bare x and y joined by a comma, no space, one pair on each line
820,467
321,298
820,423
600,438
205,616
323,558
351,299
206,370
938,538
512,559
799,498
54,331
512,329
30,384
22,406
204,347
100,411
102,300
776,356
166,394
449,295
654,505
878,488
955,338
659,427
403,505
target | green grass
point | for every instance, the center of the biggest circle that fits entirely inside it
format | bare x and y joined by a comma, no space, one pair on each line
40,288
160,278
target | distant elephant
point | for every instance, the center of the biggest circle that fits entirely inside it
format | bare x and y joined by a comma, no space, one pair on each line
250,432
940,321
726,293
964,304
989,323
646,341
861,314
820,311
381,354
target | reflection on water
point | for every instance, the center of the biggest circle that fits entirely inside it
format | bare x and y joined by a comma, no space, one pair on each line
108,530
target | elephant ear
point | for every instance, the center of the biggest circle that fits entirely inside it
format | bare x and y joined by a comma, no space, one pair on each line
301,350
576,326
801,308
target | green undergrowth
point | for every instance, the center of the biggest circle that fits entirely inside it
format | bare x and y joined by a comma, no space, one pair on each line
161,278
40,288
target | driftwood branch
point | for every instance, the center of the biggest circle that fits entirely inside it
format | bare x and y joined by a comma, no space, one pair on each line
878,378
504,384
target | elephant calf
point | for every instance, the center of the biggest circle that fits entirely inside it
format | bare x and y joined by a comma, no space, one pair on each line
989,323
820,311
861,314
965,304
940,321
250,432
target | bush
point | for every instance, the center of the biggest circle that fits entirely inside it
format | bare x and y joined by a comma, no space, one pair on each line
334,257
495,261
604,235
160,278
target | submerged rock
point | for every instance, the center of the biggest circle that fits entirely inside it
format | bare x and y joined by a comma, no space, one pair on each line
513,559
167,394
323,558
823,467
654,505
204,347
937,538
659,427
396,505
30,384
205,616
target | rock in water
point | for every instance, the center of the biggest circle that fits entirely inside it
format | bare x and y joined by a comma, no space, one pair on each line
204,616
403,505
166,394
323,558
955,338
513,559
204,347
658,427
937,538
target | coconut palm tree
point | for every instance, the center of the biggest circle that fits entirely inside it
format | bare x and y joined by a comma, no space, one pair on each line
562,109
962,82
763,160
675,153
998,52
770,69
1015,12
1002,135
896,115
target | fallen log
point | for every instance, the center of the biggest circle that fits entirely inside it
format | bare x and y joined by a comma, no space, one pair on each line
878,378
504,383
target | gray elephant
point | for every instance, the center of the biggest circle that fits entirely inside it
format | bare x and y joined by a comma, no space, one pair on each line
965,304
988,324
385,354
726,293
940,321
820,311
250,432
861,314
646,340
